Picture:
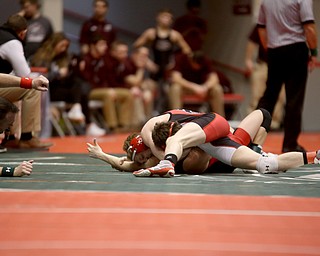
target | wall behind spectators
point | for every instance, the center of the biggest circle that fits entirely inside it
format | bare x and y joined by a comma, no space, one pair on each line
225,43
8,7
53,9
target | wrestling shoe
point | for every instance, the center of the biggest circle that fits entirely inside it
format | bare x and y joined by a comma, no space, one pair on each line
164,169
257,148
317,158
297,148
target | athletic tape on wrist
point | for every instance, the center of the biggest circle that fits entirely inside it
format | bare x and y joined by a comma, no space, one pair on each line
7,171
26,83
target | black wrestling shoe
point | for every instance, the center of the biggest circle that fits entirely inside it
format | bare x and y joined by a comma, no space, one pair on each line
257,148
297,148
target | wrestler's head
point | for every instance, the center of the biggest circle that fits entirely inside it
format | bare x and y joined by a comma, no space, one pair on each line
162,131
8,113
136,150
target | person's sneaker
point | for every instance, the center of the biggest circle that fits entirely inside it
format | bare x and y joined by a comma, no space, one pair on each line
317,158
34,143
297,148
95,130
11,144
3,149
75,113
164,169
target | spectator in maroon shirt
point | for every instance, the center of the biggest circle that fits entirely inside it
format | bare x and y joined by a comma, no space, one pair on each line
66,84
97,25
115,64
196,75
142,87
105,73
192,27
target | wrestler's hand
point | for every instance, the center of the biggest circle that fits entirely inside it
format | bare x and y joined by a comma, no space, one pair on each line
25,168
94,150
123,159
40,83
201,90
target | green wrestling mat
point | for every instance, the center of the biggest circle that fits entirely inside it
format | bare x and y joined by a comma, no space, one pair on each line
80,172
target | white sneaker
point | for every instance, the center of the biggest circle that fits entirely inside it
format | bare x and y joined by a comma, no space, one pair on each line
95,130
163,169
3,149
317,158
75,113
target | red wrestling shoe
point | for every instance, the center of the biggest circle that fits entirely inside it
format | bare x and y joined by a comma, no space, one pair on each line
164,169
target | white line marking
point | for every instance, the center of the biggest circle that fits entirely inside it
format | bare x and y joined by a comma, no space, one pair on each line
40,158
54,164
311,179
166,245
80,181
311,176
62,210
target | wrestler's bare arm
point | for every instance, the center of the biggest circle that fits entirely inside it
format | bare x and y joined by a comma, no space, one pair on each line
24,168
119,163
191,135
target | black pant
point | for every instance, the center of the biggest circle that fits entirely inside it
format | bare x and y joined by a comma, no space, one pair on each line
72,90
289,65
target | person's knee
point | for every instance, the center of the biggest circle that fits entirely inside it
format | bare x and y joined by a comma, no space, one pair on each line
216,89
33,94
175,94
175,89
266,122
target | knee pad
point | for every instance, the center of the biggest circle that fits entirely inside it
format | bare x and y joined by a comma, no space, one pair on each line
267,163
266,119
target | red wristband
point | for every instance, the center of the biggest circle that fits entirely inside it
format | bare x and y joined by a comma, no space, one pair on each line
26,83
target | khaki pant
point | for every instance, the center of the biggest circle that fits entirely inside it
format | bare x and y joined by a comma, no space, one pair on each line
117,105
30,108
214,97
143,104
